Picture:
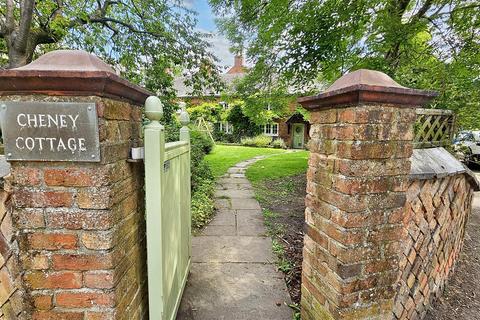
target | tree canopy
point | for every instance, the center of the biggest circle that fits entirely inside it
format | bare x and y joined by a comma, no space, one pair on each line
427,44
148,41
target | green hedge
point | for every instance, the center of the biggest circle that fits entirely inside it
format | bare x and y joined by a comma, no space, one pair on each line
203,185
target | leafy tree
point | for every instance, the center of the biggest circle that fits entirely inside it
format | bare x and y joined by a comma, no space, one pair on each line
428,44
148,41
209,111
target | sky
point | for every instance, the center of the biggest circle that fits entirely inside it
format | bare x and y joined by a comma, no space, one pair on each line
206,23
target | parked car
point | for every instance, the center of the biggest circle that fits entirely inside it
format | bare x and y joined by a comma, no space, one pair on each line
467,146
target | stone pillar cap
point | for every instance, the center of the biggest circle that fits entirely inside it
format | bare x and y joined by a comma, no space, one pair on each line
366,86
70,72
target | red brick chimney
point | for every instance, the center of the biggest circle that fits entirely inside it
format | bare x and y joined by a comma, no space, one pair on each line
237,66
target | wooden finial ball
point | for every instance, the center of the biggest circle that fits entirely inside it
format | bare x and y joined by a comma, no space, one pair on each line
184,117
154,108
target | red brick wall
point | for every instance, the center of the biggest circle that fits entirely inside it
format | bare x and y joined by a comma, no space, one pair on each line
283,133
436,213
11,284
81,226
357,178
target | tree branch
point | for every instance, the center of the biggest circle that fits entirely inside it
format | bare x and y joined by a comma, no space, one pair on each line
43,37
10,20
421,13
472,6
26,15
131,28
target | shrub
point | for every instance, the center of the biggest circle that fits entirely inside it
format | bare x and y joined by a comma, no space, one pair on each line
279,143
202,203
247,142
224,137
172,131
258,141
200,140
202,179
201,172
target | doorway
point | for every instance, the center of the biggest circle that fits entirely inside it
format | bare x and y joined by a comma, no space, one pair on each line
298,135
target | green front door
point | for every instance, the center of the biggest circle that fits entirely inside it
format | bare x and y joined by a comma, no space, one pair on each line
298,135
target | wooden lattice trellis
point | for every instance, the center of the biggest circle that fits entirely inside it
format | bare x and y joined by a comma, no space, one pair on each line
434,128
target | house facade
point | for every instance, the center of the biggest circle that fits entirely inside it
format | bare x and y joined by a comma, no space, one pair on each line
293,129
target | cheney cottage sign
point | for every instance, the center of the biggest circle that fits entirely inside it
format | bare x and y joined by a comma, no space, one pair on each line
50,131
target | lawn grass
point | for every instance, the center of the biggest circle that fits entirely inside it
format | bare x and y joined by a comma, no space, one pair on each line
278,166
223,157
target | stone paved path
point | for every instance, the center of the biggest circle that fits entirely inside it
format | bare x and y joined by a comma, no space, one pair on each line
233,276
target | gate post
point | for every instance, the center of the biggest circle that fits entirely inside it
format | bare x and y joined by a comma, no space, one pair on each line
361,142
154,158
185,136
79,223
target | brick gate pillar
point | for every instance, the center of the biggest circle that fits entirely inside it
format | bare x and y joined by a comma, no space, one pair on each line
361,142
80,225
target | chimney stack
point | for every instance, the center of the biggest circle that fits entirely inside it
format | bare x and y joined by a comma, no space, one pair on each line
238,61
237,65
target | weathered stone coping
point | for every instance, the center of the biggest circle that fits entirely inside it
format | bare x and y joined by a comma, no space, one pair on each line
438,163
70,73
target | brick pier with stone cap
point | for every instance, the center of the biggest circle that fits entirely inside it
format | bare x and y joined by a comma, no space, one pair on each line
80,226
233,274
360,148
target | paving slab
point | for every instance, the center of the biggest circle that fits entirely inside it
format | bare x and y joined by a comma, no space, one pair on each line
237,175
250,225
251,230
232,249
219,230
237,186
236,170
233,275
235,193
224,217
250,213
234,180
234,291
222,204
244,204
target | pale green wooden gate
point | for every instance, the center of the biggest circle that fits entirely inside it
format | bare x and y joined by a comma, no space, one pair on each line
167,184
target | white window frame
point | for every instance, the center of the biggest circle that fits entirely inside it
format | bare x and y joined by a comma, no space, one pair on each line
271,129
226,127
224,105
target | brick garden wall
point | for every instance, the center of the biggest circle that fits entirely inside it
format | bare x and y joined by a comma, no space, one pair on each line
81,227
11,284
436,214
